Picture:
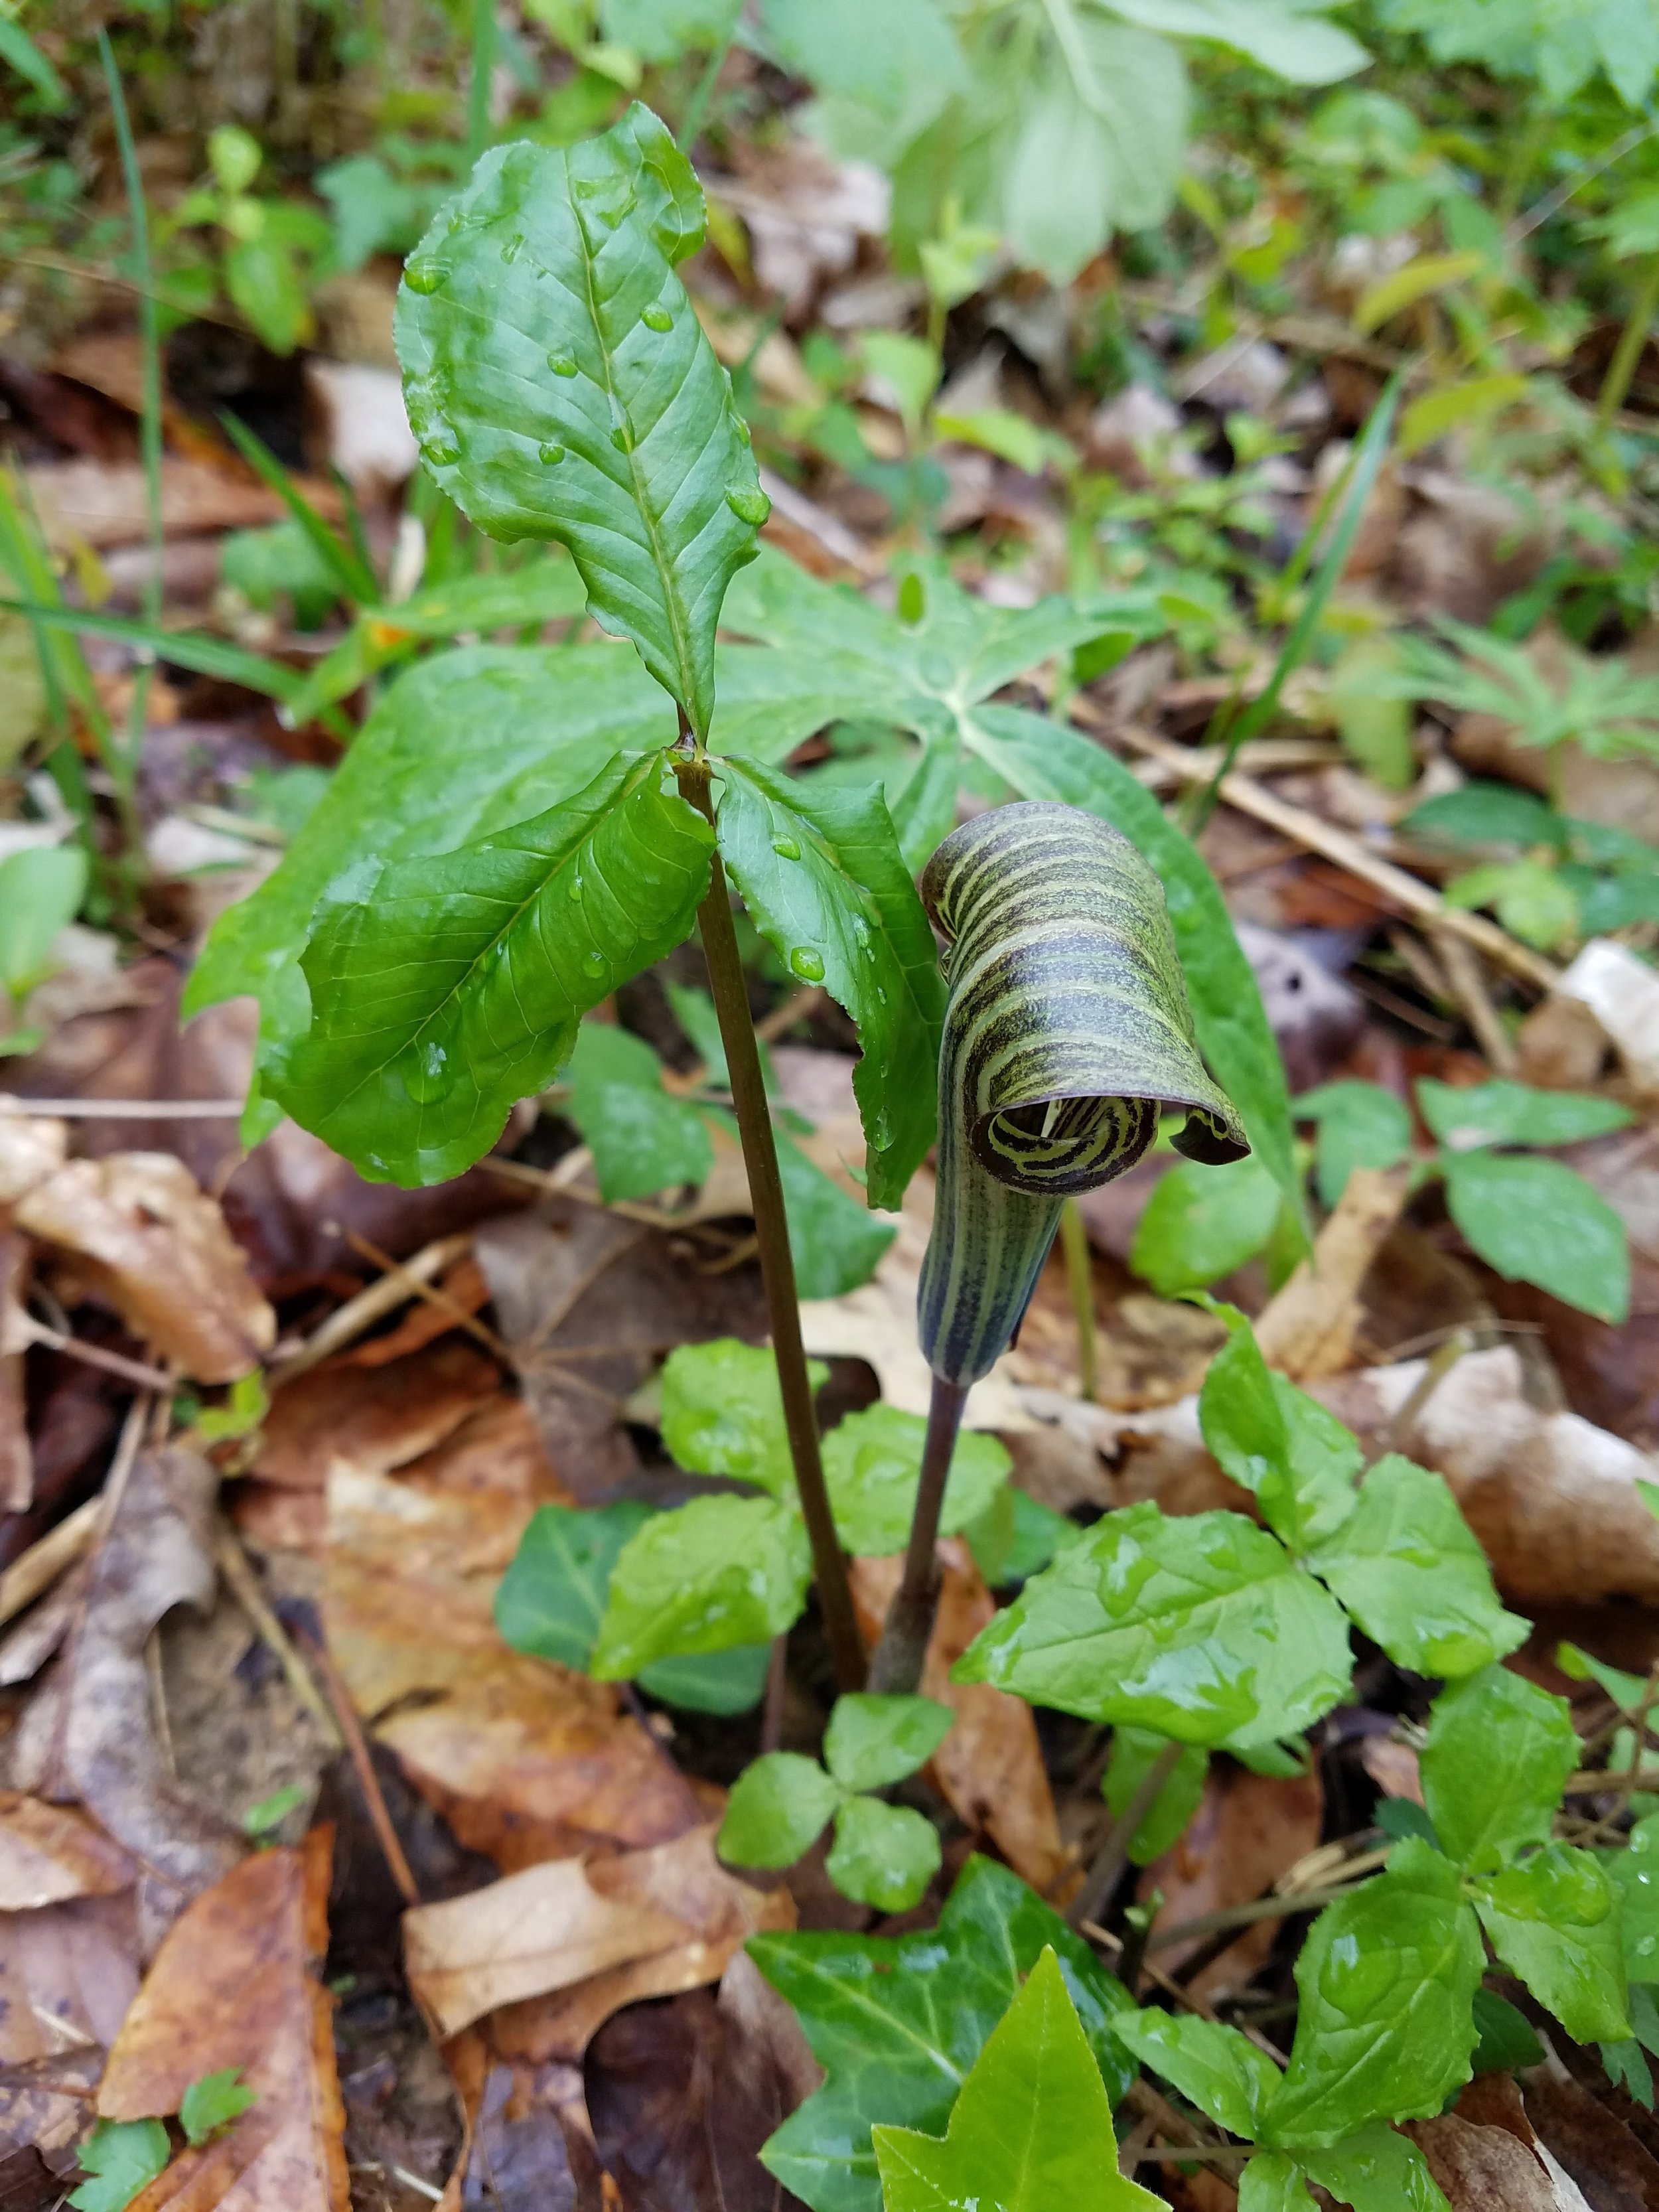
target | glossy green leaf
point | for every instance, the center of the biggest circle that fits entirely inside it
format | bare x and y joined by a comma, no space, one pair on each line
1297,1459
463,746
551,1599
1017,1535
1273,2182
897,2022
561,388
883,1856
41,889
1134,1753
874,1739
837,1243
1201,1222
1503,1113
212,2103
872,1463
1499,1750
823,879
1377,2170
722,1411
445,990
1482,813
1360,1126
1219,2069
122,2157
1031,2131
1409,1569
1536,1221
779,1807
1200,1628
1384,2027
1042,760
642,1139
1554,1920
718,1572
1634,1873
1295,41
544,591
1507,2042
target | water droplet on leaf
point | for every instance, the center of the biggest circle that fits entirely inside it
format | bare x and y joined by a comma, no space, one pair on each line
744,432
550,451
423,277
575,887
594,962
786,849
748,503
443,447
562,364
807,964
658,318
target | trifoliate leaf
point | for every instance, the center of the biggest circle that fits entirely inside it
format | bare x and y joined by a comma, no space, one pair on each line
872,1463
884,1855
874,1740
778,1809
718,1572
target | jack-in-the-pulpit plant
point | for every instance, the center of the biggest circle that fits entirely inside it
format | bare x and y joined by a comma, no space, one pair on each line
1067,1032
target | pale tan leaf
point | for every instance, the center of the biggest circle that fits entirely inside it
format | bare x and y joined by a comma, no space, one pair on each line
50,1853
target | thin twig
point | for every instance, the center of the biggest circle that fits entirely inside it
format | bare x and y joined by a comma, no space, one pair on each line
898,1665
419,1287
1469,989
243,1584
1438,1365
33,1572
1113,1855
356,1746
372,1303
777,1689
1080,1281
125,1110
94,1355
1234,1917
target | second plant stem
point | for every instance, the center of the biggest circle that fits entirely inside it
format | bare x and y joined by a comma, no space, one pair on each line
896,1667
726,981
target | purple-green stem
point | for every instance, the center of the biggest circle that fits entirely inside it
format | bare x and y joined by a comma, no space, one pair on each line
726,982
896,1667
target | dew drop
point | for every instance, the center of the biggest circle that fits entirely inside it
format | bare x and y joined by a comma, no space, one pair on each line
594,962
744,432
513,247
657,319
786,849
562,364
550,451
443,447
622,438
423,277
807,964
748,503
575,887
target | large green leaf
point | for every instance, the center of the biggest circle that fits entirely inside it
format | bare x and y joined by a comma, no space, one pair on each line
1361,1124
722,1411
872,1463
1503,1113
1201,1222
1217,2067
718,1572
1406,1565
1032,2128
1386,2023
823,879
873,1740
1499,1751
883,1854
1377,2169
551,1599
461,746
445,990
561,388
1200,1628
1293,37
780,1805
1635,1873
897,2022
1276,1441
1554,1920
1042,760
1536,1221
642,1139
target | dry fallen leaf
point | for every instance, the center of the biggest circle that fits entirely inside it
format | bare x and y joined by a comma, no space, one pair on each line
1248,1829
102,503
672,1909
68,1973
146,1238
528,2147
372,1418
50,1853
1309,1326
1487,2158
990,1767
235,1986
88,1733
527,1760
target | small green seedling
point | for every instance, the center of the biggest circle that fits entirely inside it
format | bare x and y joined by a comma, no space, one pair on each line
210,2106
122,2157
261,1821
41,889
883,1854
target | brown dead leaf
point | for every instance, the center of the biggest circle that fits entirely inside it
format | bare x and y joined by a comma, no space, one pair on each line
32,1146
371,1419
990,1767
1487,2158
16,1459
527,2146
234,1986
462,1290
1310,1327
68,1973
526,1760
88,1733
1393,1767
51,1853
683,2096
1248,1829
102,503
569,1924
148,1241
1596,2150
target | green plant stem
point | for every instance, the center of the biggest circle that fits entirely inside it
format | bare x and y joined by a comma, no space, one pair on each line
1081,1281
1615,385
1113,1855
896,1667
149,433
692,121
719,945
483,69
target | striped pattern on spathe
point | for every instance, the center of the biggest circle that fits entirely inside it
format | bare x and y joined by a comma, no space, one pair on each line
1067,1030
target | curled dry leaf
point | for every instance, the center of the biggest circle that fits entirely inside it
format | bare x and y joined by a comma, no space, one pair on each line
526,1760
146,1238
16,1459
989,1768
89,1732
1486,2157
32,1147
569,1923
50,1853
527,2147
1248,1829
373,1419
235,1986
1309,1326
